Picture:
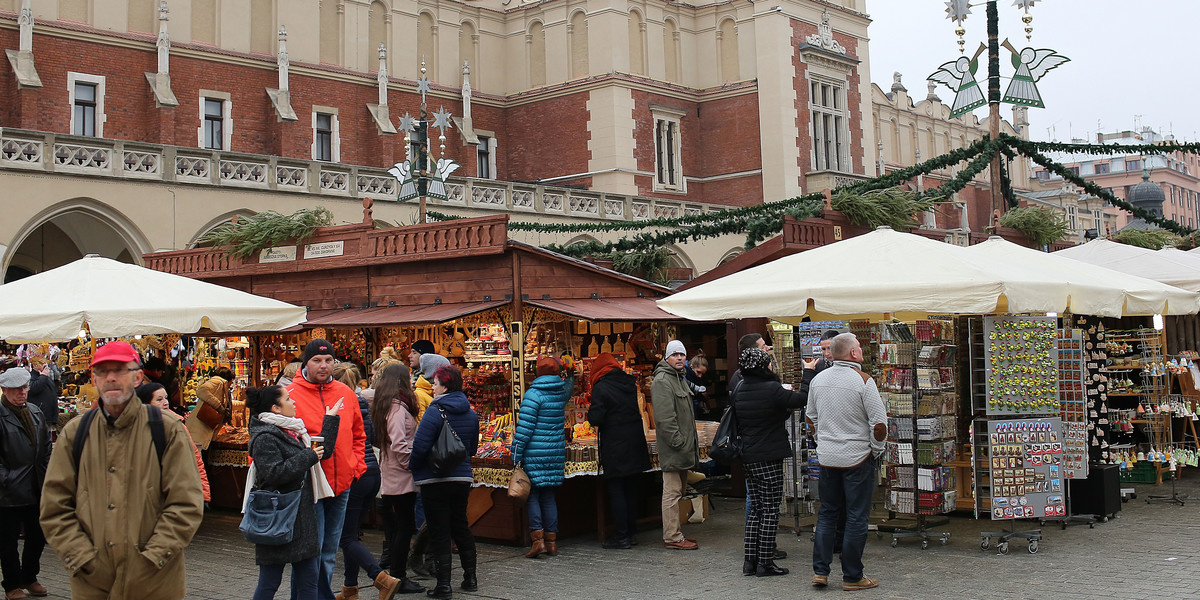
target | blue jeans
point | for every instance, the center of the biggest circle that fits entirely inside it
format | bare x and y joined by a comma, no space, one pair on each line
331,515
543,509
419,511
362,496
304,580
848,489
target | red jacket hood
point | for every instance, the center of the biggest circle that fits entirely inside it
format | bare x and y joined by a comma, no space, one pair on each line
312,400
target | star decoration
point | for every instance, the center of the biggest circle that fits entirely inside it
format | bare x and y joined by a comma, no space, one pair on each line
423,87
441,119
1024,4
957,10
407,123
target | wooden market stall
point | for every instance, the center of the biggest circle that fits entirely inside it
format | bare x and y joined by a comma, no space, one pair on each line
488,303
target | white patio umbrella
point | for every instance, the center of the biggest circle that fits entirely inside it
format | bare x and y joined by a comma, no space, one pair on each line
1090,289
115,299
1150,264
865,276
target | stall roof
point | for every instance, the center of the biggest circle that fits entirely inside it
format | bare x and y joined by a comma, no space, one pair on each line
607,309
392,315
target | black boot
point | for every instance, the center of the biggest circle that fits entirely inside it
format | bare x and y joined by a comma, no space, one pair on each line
442,590
417,561
749,567
470,582
768,568
406,585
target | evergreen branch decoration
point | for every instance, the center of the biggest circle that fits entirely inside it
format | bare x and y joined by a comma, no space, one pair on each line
892,207
1110,149
1041,225
1153,239
246,236
1029,150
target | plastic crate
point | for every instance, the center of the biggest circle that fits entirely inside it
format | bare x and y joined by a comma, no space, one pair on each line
1143,472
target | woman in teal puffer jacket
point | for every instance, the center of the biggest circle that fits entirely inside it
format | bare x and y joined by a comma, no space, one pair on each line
540,446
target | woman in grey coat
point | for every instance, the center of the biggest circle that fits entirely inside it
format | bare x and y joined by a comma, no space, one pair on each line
284,460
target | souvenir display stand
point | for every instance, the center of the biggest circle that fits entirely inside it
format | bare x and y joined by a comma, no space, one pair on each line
799,468
916,379
1072,401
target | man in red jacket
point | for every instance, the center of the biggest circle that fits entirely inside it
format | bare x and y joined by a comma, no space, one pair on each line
315,390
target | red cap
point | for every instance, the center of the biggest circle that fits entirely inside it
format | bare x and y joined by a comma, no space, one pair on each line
118,351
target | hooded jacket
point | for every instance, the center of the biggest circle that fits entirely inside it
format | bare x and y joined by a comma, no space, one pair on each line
762,407
674,421
119,520
615,412
465,423
312,400
539,442
423,390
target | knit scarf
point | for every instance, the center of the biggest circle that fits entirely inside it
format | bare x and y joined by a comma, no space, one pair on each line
602,365
22,413
296,426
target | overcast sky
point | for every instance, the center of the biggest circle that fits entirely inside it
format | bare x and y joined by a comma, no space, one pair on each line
1127,59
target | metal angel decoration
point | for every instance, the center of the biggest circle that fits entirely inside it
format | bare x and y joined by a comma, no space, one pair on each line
959,76
403,172
1031,65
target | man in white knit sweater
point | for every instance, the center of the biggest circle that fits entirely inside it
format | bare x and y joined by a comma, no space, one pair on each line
850,421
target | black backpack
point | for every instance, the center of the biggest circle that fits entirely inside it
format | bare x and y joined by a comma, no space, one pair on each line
154,417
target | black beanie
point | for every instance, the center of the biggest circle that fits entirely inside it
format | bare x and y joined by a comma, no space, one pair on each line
317,347
422,347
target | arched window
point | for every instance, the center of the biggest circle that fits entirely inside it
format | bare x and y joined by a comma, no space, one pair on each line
331,31
671,50
377,33
727,44
637,45
579,45
425,44
535,40
468,51
262,27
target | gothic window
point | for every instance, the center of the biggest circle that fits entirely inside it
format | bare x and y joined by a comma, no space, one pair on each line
827,101
668,146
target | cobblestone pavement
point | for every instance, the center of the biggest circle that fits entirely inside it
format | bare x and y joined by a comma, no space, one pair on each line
1147,551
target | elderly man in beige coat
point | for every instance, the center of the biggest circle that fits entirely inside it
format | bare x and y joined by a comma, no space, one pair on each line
121,517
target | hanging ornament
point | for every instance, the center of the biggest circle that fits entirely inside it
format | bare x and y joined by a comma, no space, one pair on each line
1026,18
957,11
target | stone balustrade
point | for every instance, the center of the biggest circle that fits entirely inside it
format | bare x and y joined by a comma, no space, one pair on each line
24,150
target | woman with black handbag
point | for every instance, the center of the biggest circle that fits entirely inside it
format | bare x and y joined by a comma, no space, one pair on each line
763,406
446,484
284,459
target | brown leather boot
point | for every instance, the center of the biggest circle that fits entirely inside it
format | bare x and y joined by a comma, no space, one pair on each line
348,593
538,545
552,543
386,584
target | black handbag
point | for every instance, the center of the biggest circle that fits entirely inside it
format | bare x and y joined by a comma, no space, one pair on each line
448,451
727,443
270,516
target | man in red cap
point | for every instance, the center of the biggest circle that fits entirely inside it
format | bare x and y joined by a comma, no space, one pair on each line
114,540
315,391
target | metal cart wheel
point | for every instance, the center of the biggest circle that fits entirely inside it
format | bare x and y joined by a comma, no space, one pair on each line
985,543
1003,547
1104,519
924,544
945,540
895,541
1064,524
1091,525
1033,546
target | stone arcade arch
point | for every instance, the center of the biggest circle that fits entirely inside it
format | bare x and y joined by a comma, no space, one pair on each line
214,222
67,231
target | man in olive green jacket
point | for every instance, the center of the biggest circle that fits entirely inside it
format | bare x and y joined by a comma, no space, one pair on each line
675,432
119,520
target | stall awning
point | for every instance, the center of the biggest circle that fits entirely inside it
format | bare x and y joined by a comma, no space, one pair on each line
397,315
607,309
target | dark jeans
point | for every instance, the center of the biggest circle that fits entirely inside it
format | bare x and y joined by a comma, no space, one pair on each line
304,580
398,519
446,516
362,496
622,503
331,515
20,569
850,490
543,509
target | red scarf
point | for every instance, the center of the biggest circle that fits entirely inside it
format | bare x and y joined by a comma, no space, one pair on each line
602,365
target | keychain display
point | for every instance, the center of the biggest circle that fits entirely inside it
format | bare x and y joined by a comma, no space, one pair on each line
1027,468
1021,364
1072,403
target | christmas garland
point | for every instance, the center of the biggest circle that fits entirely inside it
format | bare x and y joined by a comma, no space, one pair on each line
1029,150
949,159
1073,148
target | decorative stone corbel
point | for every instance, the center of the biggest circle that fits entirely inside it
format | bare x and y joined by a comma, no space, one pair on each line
160,82
379,112
281,98
22,58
